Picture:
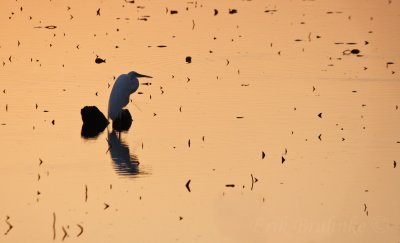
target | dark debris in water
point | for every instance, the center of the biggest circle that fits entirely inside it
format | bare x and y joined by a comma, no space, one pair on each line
106,206
352,51
188,59
232,11
10,226
99,60
80,230
389,63
270,11
188,185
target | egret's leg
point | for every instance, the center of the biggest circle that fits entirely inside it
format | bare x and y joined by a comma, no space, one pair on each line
120,124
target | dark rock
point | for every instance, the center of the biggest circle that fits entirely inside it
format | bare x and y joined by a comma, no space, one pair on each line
124,122
94,122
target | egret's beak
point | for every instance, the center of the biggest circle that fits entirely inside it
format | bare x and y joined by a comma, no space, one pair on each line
142,76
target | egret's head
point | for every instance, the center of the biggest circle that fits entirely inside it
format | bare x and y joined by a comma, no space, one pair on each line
133,77
136,75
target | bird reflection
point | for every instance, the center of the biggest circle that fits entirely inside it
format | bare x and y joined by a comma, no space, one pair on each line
125,163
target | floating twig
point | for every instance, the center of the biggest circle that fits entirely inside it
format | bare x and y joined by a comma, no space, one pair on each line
65,233
10,226
106,206
54,225
389,63
187,185
86,193
252,182
81,230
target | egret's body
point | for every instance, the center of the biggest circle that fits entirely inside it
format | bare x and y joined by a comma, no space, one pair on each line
124,86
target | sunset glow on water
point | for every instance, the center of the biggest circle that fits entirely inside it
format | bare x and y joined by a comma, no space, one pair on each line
265,121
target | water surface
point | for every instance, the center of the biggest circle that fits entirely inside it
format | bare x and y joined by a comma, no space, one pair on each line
257,82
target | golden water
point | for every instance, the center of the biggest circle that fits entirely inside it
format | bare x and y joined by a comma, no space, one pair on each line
256,83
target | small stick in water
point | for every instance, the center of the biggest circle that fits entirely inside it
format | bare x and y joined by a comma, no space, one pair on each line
54,225
65,233
81,228
106,206
10,226
187,185
86,193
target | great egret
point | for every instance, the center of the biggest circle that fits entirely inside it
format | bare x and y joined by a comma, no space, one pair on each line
124,86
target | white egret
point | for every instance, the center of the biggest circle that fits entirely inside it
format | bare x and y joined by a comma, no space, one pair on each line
124,86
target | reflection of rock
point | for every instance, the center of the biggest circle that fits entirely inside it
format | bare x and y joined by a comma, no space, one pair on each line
125,163
123,122
94,122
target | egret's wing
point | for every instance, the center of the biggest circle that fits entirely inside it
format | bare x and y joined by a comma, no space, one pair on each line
119,97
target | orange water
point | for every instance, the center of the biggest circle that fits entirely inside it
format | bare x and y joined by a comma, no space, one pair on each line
247,65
